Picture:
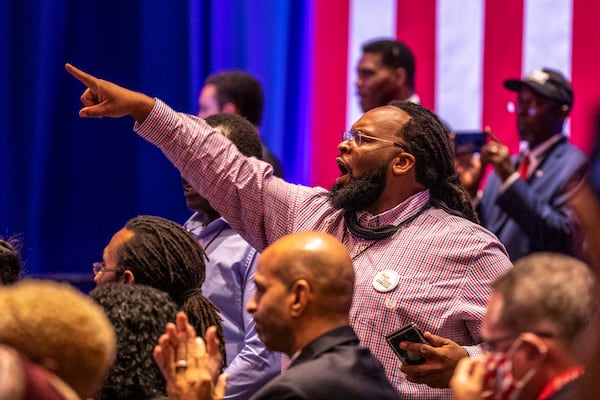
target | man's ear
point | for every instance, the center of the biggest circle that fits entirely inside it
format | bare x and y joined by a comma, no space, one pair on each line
403,163
230,108
401,75
127,277
537,349
300,292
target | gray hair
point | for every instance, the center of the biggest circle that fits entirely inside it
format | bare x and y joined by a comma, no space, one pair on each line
547,292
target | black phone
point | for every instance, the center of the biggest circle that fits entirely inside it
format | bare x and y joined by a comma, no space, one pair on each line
408,333
468,142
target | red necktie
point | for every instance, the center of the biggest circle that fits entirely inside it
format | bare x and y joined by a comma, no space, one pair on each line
524,167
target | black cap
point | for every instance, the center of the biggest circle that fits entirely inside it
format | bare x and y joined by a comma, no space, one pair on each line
545,82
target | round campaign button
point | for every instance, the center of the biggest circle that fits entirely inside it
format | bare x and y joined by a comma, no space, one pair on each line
386,281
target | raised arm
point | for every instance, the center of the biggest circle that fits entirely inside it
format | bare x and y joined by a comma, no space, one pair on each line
105,99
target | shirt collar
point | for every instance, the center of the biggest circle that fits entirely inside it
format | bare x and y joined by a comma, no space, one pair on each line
538,151
392,216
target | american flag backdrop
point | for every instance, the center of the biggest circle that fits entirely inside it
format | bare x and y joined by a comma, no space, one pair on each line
464,50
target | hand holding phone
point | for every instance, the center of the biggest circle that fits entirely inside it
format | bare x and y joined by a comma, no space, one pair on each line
408,333
469,142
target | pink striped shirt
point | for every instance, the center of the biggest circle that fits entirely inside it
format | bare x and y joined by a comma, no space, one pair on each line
445,263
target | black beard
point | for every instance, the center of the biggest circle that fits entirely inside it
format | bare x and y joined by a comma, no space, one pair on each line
361,192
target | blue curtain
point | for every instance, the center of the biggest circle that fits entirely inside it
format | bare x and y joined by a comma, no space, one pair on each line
68,183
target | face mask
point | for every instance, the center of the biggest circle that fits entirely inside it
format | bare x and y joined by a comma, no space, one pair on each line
500,380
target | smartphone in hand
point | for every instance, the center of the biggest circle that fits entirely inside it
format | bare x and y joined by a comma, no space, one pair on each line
469,142
408,333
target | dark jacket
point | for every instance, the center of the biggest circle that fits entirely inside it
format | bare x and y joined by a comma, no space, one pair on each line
333,366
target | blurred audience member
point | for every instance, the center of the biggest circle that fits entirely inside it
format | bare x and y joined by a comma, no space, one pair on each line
63,332
230,269
533,328
525,200
139,314
386,72
586,204
157,252
236,92
11,264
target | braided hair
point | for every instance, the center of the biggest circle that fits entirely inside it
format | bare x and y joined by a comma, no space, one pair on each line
429,141
162,254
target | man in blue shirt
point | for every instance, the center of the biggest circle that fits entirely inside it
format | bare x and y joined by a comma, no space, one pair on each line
230,270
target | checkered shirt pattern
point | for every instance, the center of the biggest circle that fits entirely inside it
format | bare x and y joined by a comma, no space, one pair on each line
445,262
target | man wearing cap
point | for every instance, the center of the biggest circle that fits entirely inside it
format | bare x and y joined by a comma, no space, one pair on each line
525,201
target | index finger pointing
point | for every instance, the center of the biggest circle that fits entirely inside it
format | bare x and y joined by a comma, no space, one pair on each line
85,78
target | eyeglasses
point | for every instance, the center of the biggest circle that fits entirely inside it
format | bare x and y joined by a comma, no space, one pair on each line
99,267
356,138
491,345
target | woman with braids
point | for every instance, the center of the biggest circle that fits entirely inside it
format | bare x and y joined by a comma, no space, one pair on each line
157,252
397,206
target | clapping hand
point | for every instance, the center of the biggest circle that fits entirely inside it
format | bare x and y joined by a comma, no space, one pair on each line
190,367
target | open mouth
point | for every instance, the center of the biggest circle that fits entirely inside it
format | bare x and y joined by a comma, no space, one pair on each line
344,171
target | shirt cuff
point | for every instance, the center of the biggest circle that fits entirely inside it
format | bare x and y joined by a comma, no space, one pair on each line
473,351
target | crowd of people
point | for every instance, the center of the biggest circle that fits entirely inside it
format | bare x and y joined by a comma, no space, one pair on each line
275,290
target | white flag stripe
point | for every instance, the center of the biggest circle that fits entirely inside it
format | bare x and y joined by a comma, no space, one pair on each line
459,53
547,35
368,20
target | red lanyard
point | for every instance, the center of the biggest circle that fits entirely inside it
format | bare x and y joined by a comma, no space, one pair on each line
559,381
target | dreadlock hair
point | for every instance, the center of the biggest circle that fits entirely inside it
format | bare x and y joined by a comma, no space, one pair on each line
162,254
139,314
429,141
10,261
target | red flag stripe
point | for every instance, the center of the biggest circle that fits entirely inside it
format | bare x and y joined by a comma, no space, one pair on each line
416,27
502,59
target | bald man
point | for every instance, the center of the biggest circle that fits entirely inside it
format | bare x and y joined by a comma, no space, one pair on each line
304,287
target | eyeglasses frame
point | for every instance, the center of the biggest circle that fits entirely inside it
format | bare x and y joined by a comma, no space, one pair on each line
99,268
355,137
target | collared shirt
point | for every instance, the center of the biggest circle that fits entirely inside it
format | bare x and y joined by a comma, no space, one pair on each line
230,270
414,98
536,156
444,263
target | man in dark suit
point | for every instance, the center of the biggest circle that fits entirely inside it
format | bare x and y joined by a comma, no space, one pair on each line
304,287
525,201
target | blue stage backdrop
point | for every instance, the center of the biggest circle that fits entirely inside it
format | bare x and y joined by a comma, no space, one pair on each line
68,183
